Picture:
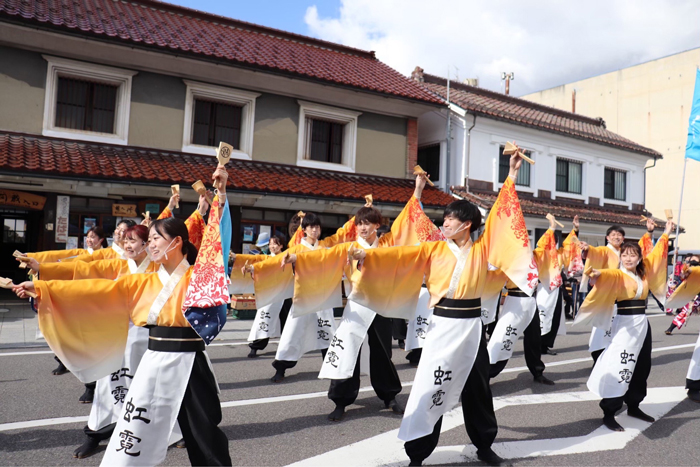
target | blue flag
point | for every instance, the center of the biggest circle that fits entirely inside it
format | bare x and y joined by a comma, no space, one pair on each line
692,149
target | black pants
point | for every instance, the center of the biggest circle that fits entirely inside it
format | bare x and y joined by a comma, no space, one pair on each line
413,356
532,346
260,344
399,327
637,390
200,415
102,434
382,373
477,407
549,338
692,384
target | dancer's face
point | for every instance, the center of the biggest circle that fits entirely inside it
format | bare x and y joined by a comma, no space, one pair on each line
119,234
365,229
453,228
133,246
313,232
275,247
615,239
92,240
629,259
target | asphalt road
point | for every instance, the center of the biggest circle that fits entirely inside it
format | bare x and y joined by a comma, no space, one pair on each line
538,425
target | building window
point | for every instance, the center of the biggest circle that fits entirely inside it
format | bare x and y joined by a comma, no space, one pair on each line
324,140
327,137
214,114
523,178
85,105
429,160
215,122
87,101
615,184
569,176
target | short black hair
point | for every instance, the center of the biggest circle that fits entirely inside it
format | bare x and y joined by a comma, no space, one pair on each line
369,214
128,222
310,220
615,228
279,239
464,211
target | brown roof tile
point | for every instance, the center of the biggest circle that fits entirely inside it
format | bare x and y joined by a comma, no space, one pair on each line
499,106
154,24
22,154
561,210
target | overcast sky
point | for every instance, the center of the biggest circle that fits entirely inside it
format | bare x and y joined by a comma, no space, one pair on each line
545,42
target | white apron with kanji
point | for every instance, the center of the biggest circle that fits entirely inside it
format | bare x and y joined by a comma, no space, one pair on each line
266,323
488,309
418,326
305,333
694,368
147,419
516,314
448,355
346,343
111,390
600,337
546,305
613,371
449,351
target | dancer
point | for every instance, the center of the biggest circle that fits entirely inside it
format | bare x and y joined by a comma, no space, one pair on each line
519,317
455,361
686,292
318,273
274,283
112,390
608,257
184,307
620,373
269,320
689,308
95,239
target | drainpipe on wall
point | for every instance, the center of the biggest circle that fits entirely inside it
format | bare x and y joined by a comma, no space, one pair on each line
448,136
644,194
469,146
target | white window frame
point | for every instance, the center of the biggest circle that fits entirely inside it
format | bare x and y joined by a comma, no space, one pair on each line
347,117
628,177
62,67
584,167
225,95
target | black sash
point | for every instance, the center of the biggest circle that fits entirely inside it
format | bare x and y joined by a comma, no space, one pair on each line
453,308
517,293
168,339
631,307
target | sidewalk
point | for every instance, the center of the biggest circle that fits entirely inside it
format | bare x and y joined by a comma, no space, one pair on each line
19,327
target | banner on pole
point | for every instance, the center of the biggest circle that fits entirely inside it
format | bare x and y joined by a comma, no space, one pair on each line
692,148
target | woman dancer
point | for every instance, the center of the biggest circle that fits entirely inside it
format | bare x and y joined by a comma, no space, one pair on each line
184,308
620,373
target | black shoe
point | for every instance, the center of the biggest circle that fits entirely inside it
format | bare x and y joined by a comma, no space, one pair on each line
548,351
542,379
279,377
636,412
88,448
87,396
394,406
181,444
488,456
60,369
610,422
253,353
402,344
694,395
337,415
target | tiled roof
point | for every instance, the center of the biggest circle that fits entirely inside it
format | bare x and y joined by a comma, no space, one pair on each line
563,211
511,109
22,154
174,29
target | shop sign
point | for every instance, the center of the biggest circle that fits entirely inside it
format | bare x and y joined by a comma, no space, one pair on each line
22,199
124,210
62,211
